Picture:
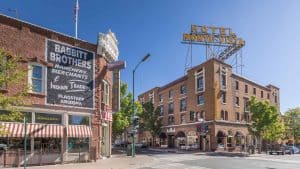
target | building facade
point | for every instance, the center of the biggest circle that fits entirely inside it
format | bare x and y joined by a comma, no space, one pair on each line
207,108
69,106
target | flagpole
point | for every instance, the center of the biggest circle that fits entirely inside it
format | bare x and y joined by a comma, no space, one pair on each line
76,18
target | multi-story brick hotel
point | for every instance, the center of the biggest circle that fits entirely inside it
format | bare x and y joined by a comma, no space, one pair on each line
210,96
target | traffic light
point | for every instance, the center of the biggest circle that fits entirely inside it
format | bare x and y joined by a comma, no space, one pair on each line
136,122
206,128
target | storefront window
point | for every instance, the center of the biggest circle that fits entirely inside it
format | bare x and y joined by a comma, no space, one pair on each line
76,145
48,118
48,145
14,143
6,117
79,120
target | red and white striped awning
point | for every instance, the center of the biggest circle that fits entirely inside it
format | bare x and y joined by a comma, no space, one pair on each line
12,129
33,130
45,130
79,131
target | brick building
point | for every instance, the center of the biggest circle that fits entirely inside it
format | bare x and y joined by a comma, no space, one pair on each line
210,97
69,108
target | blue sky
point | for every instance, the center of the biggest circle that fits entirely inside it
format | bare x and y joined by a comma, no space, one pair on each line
271,29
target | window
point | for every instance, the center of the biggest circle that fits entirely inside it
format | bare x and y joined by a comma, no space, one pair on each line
79,120
237,101
200,99
246,88
7,114
182,89
268,95
223,97
254,90
160,98
237,115
171,108
275,99
48,145
200,82
3,71
76,145
262,94
171,94
161,110
247,117
36,78
223,78
200,115
236,85
192,116
224,115
48,118
171,120
151,97
246,105
182,105
182,118
105,97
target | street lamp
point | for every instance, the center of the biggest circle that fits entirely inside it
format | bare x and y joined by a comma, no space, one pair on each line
133,131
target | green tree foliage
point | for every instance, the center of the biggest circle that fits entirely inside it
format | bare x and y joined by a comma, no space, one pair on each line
274,132
264,119
124,118
292,123
11,74
150,120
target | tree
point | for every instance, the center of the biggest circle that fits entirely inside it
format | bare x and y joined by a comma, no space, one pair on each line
11,74
263,118
292,123
124,118
150,120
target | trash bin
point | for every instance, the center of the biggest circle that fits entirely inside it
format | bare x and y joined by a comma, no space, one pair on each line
129,149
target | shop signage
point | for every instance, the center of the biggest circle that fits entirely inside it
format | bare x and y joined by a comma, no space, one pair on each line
70,82
48,118
212,35
107,116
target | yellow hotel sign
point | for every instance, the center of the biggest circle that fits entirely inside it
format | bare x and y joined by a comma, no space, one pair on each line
213,35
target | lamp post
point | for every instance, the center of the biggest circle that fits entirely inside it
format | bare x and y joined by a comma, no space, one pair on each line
133,108
25,141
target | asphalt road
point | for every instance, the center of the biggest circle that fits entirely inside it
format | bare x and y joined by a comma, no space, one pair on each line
192,161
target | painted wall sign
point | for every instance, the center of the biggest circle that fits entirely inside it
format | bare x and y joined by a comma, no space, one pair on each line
70,82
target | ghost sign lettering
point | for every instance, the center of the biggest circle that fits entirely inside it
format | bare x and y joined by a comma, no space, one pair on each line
70,82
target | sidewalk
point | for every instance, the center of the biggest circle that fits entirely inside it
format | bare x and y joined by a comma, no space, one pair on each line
115,162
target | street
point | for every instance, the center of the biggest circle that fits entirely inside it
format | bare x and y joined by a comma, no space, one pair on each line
160,160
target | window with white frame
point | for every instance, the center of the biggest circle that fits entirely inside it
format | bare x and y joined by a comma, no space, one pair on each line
182,118
223,78
223,97
171,94
105,98
183,89
160,98
246,105
161,110
183,105
151,97
200,80
200,99
237,101
237,115
36,78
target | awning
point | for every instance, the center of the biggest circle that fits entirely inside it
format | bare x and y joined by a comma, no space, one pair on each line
45,130
79,131
33,130
12,129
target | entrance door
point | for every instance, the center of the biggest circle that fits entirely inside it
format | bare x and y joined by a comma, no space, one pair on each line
171,141
105,141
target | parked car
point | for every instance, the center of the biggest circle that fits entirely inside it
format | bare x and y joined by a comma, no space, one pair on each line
293,149
3,147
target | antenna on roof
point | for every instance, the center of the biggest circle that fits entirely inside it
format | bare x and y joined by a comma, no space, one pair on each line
76,9
14,11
